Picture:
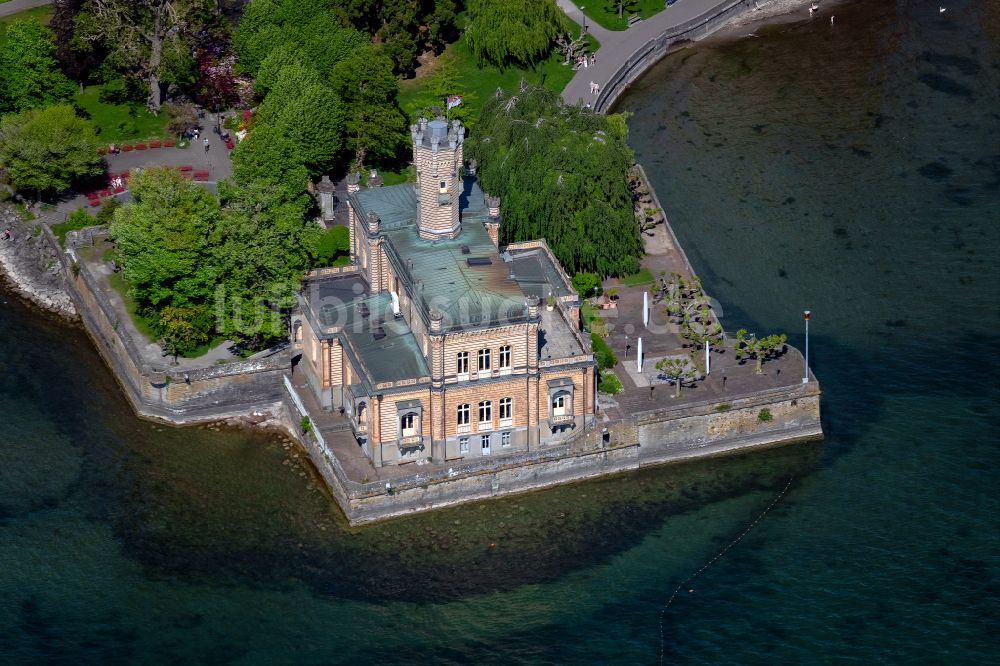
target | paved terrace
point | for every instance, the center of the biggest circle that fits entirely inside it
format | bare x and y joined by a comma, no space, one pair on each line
618,45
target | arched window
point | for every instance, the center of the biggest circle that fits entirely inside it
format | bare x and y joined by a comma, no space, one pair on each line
408,424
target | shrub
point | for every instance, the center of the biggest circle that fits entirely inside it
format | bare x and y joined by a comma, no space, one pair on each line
107,211
154,143
78,219
724,407
141,146
333,243
764,415
305,423
606,358
610,383
168,143
126,147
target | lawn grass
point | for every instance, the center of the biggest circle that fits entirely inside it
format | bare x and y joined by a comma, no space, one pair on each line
61,229
41,14
117,123
479,83
119,284
643,277
605,12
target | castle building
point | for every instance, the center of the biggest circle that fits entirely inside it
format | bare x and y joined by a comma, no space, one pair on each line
433,342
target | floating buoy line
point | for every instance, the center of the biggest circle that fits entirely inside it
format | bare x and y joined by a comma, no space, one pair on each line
718,555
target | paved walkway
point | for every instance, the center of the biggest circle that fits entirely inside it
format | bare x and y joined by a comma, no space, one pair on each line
618,45
15,6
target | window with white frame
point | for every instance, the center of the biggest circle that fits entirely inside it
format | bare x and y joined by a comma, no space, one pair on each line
484,359
504,359
559,404
505,439
484,443
463,363
485,414
463,445
408,424
463,418
506,409
442,186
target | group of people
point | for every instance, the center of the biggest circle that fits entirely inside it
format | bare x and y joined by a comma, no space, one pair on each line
586,60
594,88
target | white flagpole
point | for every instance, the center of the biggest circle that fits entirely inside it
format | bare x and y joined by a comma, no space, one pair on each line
638,357
645,309
708,360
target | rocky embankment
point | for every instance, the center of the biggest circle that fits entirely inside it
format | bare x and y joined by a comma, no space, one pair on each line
29,266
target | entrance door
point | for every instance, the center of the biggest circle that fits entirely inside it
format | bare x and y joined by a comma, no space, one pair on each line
485,440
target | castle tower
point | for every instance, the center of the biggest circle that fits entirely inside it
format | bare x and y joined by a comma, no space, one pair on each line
437,157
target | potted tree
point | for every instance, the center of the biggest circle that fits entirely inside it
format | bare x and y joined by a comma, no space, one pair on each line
550,302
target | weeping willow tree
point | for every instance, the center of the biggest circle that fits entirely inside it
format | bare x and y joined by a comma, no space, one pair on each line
513,32
562,174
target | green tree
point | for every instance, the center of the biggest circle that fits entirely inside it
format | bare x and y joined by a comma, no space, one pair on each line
268,156
260,248
375,126
403,27
759,349
678,370
29,72
307,111
442,83
151,38
513,32
44,150
587,284
184,328
162,239
562,174
335,242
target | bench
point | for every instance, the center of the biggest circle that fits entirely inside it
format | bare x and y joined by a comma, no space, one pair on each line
201,175
185,167
633,19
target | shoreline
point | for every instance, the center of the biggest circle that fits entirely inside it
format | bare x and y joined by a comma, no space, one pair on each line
30,267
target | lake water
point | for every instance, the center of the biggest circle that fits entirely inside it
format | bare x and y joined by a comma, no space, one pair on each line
852,170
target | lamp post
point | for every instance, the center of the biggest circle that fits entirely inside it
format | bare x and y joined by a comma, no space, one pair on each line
584,19
805,373
626,346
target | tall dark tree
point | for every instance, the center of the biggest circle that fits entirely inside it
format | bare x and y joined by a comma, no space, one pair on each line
151,39
77,56
375,126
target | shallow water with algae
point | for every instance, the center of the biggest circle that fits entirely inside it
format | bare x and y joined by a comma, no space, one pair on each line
854,171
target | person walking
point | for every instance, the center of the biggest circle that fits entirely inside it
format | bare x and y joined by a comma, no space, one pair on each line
205,143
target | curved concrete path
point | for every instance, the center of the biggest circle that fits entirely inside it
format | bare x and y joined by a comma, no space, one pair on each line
15,6
618,45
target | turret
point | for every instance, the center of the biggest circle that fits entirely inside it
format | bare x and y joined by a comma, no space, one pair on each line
437,157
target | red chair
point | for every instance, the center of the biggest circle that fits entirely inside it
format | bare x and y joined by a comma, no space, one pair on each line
201,175
92,196
185,167
94,203
105,192
229,144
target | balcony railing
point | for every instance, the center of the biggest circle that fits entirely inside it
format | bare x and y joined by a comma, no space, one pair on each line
413,440
561,419
506,423
485,425
464,428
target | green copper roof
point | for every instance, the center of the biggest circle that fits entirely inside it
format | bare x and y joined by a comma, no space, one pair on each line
395,205
438,272
382,345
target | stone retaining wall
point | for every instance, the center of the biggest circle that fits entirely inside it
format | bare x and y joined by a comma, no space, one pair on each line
651,438
652,51
160,392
